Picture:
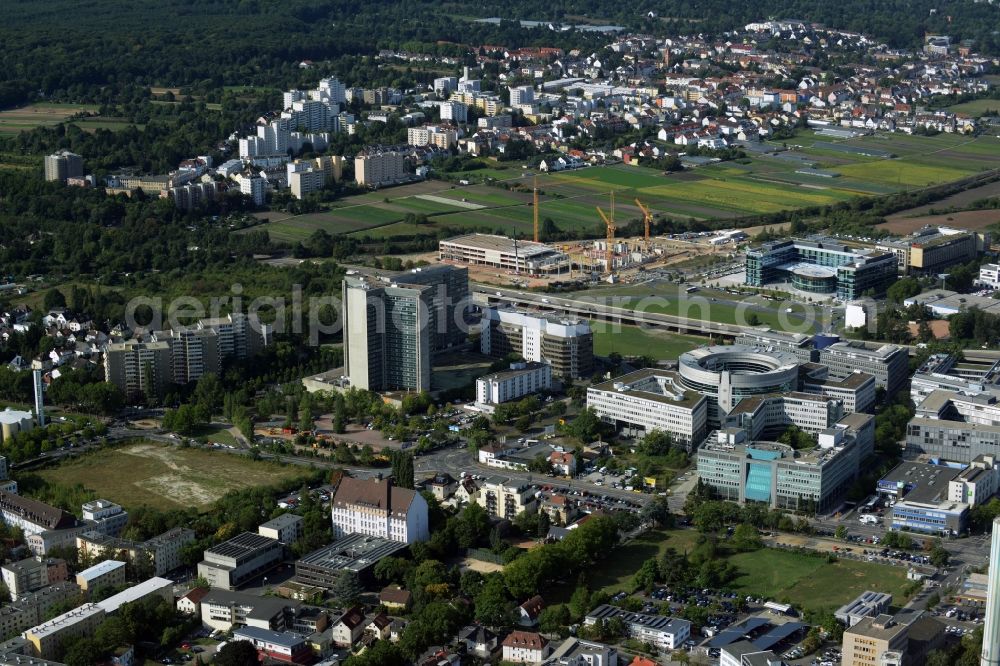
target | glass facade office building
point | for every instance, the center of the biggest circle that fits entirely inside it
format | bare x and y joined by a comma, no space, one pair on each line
821,266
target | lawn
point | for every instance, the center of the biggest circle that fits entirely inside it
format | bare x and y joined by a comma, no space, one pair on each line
811,582
164,477
804,580
903,174
209,434
635,341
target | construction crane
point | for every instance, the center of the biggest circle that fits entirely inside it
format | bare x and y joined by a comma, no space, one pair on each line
647,217
610,224
535,205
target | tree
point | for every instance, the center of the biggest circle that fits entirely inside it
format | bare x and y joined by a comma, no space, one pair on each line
902,289
657,511
82,652
237,653
647,575
585,427
347,589
54,299
402,469
939,556
494,606
746,538
841,532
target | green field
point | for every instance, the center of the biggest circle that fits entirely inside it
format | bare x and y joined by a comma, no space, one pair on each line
634,341
758,184
164,477
976,107
810,582
13,121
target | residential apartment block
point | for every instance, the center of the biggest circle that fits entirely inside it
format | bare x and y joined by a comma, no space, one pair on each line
520,380
565,343
63,165
104,516
376,507
504,498
376,168
164,551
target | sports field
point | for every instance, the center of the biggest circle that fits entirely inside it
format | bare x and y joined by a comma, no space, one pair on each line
14,121
164,477
815,171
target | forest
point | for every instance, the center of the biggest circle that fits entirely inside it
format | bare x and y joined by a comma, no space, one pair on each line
61,50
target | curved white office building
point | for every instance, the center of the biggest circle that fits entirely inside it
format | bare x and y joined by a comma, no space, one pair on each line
726,374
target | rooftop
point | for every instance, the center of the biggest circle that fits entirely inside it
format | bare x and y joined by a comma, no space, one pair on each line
638,384
100,569
284,639
378,494
354,552
920,482
136,592
241,545
492,243
67,619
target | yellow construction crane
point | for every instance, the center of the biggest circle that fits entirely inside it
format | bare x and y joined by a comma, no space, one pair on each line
535,206
610,252
647,217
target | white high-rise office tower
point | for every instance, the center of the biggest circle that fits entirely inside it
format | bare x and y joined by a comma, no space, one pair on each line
991,626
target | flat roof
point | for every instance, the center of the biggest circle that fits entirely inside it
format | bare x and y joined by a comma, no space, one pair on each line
136,592
241,544
354,552
926,482
682,397
285,639
100,569
67,619
525,249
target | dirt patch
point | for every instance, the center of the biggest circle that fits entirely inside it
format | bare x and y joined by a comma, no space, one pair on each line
177,489
974,220
939,329
479,565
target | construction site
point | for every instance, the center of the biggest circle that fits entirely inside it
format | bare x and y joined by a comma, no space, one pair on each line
503,260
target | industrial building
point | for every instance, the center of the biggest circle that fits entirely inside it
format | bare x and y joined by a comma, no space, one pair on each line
509,255
821,266
921,496
232,563
566,343
356,553
13,421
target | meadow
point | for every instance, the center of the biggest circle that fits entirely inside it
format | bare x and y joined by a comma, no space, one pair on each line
14,121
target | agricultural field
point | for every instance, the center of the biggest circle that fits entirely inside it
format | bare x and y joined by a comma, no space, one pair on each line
94,123
164,477
816,171
14,121
974,220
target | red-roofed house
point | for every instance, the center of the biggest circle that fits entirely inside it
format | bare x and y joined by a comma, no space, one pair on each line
530,610
525,647
563,463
